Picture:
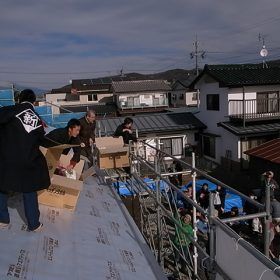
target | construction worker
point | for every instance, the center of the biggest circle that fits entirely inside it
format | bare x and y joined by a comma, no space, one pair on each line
23,168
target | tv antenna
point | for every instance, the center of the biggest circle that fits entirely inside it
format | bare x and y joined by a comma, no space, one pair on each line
264,51
197,53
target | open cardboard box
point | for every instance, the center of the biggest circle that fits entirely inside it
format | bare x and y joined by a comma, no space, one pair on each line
111,152
63,192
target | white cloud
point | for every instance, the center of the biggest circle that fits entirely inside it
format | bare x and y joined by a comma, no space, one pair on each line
103,36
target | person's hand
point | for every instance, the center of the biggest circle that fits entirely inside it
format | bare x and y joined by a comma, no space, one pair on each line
82,145
69,167
91,142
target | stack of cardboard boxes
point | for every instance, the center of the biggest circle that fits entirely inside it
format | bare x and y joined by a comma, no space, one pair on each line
63,192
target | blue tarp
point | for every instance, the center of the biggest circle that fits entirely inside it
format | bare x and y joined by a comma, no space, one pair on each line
232,199
6,97
125,189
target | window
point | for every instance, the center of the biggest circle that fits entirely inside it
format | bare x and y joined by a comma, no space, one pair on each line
209,148
194,97
92,97
172,146
213,103
182,95
268,102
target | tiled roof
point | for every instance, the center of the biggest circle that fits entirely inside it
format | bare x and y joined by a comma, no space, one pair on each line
140,86
251,129
269,151
155,123
82,85
236,75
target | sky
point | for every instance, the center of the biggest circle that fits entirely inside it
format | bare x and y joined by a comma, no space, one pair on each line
47,43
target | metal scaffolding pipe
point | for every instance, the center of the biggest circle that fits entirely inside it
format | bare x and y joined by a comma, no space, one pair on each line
167,213
212,179
250,248
245,217
198,207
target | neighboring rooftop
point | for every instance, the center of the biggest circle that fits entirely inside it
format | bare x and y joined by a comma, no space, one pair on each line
140,86
269,151
251,129
153,123
236,75
100,109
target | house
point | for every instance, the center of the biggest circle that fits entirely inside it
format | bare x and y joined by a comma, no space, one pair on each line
181,95
134,97
176,131
240,105
265,157
82,95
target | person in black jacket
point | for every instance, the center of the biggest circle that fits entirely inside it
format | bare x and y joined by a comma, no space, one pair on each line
87,135
66,135
125,130
23,168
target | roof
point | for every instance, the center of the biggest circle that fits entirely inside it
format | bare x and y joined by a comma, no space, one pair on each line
155,123
184,83
251,129
64,89
140,86
269,151
236,75
99,109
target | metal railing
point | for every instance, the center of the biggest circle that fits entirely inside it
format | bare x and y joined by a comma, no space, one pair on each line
254,109
169,214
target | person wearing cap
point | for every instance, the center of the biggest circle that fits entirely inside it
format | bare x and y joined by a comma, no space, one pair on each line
268,180
23,168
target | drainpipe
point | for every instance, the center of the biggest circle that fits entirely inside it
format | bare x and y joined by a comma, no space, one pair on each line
243,105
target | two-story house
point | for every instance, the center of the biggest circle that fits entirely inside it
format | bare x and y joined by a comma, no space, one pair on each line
240,105
132,97
82,95
181,94
176,131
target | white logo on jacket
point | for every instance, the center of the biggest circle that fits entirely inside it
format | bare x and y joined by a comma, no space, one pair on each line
29,120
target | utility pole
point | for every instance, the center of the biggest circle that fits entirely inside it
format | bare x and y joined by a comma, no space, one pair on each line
196,53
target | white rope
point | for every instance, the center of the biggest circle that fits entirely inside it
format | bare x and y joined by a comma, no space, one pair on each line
264,273
236,243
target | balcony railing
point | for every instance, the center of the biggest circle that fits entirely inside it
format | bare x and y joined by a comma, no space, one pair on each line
136,105
254,109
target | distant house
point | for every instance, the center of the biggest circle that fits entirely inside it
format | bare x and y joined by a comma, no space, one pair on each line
176,131
240,105
81,96
265,157
134,97
181,95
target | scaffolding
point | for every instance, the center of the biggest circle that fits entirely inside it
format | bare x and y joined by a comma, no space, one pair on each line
159,218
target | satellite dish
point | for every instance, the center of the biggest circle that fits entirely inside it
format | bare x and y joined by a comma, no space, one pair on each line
263,52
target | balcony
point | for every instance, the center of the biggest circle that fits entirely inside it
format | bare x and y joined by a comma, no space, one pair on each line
254,109
143,106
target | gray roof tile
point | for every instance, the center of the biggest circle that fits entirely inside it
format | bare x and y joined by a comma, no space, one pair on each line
140,86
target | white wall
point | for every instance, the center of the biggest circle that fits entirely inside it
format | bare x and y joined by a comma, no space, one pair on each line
58,99
145,98
227,140
211,118
186,101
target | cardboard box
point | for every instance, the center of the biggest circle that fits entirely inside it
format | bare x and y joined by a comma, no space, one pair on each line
63,192
111,153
